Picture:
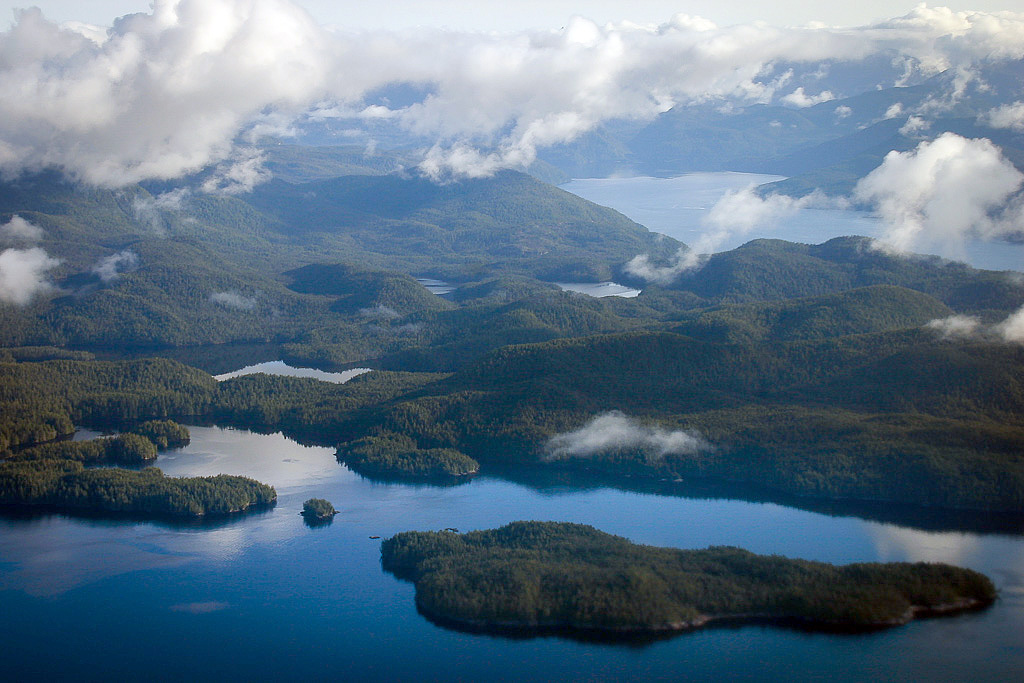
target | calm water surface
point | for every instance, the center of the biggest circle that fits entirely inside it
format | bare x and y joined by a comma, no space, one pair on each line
279,367
599,289
264,596
676,206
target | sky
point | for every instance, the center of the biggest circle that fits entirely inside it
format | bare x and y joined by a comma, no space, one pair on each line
492,15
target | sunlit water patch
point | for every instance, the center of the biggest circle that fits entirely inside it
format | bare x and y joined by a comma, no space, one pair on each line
436,286
599,289
279,367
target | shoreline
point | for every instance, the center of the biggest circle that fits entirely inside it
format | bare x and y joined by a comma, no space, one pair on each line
704,621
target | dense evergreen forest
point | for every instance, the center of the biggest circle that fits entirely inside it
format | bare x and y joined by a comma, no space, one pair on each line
800,369
570,576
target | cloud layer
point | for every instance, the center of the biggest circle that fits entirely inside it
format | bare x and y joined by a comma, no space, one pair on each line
614,432
192,84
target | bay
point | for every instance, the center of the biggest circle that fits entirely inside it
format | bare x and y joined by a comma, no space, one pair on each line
265,596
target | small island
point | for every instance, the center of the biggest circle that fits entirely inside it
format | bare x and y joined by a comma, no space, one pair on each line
392,455
318,509
542,576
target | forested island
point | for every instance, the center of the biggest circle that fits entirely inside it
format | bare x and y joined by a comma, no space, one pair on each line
318,510
537,576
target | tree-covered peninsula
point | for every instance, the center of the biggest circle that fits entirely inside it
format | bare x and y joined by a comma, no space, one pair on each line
62,474
548,575
68,486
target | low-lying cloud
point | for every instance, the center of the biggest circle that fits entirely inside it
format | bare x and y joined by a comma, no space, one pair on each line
798,98
233,300
935,197
150,209
970,327
614,432
20,231
194,84
737,213
23,275
380,311
111,267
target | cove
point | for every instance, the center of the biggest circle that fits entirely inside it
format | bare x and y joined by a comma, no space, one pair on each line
268,596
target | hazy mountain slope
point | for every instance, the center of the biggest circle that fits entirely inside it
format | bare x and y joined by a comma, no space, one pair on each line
509,222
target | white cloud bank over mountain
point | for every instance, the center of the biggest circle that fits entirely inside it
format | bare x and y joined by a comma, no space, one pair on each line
189,85
1011,329
946,190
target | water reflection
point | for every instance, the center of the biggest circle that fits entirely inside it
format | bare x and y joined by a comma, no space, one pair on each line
599,289
436,286
1001,557
279,367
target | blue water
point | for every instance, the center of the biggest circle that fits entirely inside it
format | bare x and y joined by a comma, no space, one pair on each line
676,207
266,597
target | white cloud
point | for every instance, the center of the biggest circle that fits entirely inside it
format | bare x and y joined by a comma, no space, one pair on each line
1010,330
798,98
914,126
149,209
843,112
894,111
193,83
165,93
737,213
937,195
614,432
235,300
111,267
23,275
956,326
238,174
20,230
1006,116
